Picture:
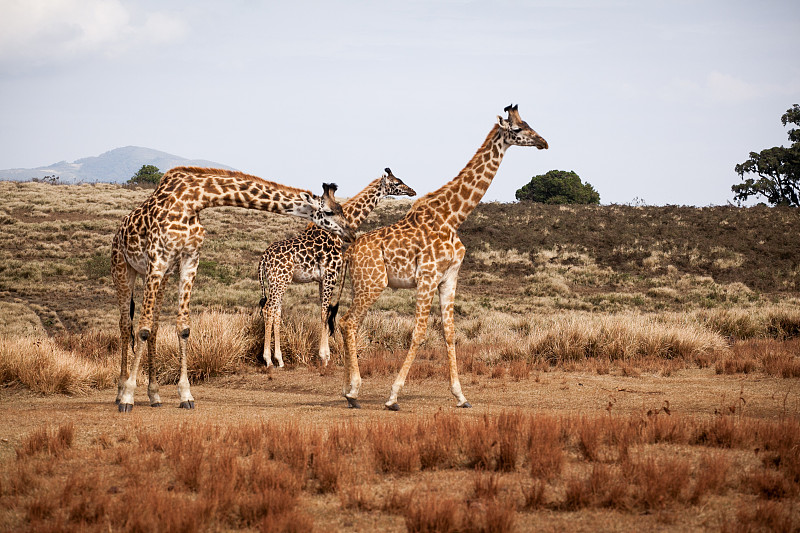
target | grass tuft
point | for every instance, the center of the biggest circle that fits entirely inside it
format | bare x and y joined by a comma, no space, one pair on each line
42,366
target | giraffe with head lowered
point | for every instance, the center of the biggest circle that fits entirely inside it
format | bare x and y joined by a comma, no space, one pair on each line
315,255
164,235
423,250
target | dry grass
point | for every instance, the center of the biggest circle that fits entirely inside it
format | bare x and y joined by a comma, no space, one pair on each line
511,463
53,442
499,345
42,366
762,355
765,321
217,346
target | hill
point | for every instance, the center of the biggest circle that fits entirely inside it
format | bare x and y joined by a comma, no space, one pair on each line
114,166
521,258
598,257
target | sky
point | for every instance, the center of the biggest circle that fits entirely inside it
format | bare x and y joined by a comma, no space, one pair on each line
652,102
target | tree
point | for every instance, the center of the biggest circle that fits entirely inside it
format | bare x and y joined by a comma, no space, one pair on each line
777,168
558,187
146,174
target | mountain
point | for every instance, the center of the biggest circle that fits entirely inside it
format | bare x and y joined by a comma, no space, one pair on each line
115,166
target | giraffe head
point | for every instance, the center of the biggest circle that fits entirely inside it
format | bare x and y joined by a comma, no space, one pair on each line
394,186
516,131
329,214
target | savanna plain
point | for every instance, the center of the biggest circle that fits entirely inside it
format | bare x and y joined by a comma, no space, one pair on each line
631,368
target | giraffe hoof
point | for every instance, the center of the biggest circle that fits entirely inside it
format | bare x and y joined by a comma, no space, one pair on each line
465,405
393,407
125,407
116,401
186,405
352,403
155,404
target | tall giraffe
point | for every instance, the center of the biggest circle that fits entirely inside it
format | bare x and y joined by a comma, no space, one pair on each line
315,255
423,250
164,234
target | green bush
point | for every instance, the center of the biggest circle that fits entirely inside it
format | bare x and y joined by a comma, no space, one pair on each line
148,174
558,187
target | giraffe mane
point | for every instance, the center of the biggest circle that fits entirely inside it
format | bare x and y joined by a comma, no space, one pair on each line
205,171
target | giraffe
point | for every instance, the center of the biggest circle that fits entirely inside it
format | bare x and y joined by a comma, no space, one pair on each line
314,255
164,234
423,250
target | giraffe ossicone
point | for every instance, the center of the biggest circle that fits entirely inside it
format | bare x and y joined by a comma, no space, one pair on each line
314,255
423,250
163,236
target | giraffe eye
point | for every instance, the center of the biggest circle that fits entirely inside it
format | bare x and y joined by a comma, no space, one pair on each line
328,213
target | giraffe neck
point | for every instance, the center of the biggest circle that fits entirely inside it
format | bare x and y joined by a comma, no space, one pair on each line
202,188
357,208
455,200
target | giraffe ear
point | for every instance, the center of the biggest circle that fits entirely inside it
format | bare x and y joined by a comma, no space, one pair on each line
327,192
502,122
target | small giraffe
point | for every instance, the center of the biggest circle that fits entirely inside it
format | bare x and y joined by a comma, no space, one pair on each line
164,234
423,250
314,255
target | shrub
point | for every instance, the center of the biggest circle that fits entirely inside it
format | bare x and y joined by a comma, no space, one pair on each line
54,442
558,187
40,365
147,175
432,514
216,347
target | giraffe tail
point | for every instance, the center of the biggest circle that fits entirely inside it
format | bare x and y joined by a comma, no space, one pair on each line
330,317
133,307
263,300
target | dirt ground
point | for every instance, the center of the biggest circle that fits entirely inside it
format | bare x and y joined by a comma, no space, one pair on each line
306,395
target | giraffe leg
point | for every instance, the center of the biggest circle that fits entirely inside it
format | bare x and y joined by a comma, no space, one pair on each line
325,290
324,341
424,298
152,385
362,301
277,326
277,277
124,281
128,388
152,286
447,294
264,281
269,318
188,271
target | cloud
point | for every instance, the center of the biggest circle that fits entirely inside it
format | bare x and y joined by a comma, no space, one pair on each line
46,32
